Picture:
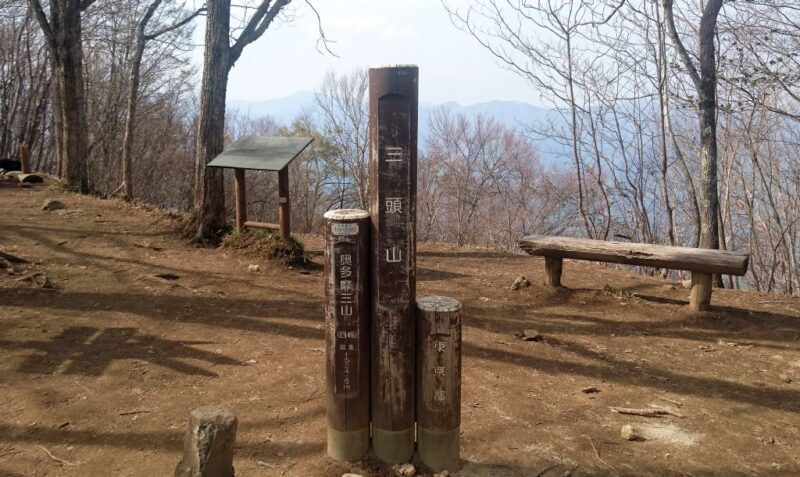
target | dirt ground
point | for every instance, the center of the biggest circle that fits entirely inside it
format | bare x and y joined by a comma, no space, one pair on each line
99,373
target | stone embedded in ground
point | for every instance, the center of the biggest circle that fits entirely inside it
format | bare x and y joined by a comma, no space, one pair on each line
208,444
253,268
52,204
406,470
629,433
520,282
785,378
590,390
532,335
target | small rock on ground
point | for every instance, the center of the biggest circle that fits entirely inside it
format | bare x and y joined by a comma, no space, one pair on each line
785,378
52,204
629,433
253,268
406,470
531,335
520,282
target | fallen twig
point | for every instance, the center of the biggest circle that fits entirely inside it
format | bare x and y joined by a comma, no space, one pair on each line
60,461
597,454
654,412
677,403
45,283
129,413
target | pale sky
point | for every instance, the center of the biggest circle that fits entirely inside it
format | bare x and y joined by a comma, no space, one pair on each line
453,66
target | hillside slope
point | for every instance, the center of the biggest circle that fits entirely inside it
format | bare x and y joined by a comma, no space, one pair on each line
138,328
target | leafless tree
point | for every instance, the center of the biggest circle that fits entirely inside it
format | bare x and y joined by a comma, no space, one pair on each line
62,33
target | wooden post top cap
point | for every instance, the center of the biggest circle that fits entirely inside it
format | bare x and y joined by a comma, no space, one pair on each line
346,214
438,303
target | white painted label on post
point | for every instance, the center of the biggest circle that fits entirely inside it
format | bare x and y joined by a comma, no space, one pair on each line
344,229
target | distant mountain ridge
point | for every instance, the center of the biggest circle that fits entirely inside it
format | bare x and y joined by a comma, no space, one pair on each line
509,113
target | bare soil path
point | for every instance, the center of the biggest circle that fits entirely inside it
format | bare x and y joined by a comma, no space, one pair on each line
98,373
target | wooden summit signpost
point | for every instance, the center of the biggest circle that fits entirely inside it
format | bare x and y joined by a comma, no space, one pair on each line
393,104
414,350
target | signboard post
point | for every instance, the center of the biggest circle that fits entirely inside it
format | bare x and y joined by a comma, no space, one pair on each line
347,333
393,105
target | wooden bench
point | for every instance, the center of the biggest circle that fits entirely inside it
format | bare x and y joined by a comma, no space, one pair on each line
703,263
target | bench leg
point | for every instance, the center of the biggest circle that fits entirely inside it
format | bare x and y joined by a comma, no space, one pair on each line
552,271
700,297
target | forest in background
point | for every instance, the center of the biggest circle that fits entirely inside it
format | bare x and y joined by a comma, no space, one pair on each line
626,79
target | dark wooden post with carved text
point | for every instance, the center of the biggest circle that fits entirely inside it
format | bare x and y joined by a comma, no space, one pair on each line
393,104
347,332
439,382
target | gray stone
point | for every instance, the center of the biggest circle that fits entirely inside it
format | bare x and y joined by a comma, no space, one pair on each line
208,444
406,470
532,335
520,282
631,434
52,204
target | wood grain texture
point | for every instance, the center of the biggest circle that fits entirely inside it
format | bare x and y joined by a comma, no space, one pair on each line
659,256
439,381
700,295
241,199
393,106
552,268
347,334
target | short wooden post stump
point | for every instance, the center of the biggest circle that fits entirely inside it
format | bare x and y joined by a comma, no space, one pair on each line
439,382
209,442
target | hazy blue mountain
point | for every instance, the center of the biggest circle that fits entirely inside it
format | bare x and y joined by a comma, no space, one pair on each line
283,109
510,113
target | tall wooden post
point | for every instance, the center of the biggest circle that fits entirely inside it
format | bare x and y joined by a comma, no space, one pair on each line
439,382
347,332
283,203
241,199
393,104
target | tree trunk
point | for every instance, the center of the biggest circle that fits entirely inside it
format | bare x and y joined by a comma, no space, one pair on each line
130,118
705,82
133,93
208,218
63,38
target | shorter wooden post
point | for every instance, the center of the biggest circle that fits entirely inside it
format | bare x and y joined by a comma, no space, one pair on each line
208,444
241,200
439,382
700,297
347,338
552,269
283,203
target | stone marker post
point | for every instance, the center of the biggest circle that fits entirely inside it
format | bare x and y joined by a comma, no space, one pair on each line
439,382
208,444
393,105
347,332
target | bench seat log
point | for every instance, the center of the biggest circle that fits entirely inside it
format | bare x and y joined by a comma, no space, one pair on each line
647,255
703,263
